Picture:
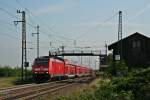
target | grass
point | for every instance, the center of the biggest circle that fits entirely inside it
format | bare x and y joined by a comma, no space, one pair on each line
7,81
81,92
13,81
73,93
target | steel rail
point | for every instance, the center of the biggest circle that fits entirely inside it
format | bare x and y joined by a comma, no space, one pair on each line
37,89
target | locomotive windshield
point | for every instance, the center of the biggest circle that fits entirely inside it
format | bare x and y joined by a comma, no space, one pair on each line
41,61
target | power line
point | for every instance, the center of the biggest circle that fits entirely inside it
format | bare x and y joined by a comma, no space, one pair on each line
8,6
37,33
8,13
97,26
33,26
147,7
15,38
10,36
51,30
46,33
6,24
20,4
12,15
43,23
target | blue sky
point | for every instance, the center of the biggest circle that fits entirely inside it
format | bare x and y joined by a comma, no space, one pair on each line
90,22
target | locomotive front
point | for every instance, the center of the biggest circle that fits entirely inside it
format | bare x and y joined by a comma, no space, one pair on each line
40,69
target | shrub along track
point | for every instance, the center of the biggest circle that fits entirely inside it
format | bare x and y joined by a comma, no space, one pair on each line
35,90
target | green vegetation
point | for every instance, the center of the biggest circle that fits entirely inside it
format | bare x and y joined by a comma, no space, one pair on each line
127,85
7,81
120,69
7,71
135,86
10,76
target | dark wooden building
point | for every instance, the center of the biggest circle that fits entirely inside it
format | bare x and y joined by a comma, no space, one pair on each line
135,50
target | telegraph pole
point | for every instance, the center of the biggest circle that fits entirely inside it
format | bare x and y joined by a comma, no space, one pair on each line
63,49
81,57
106,53
37,40
24,51
89,62
100,61
95,65
75,43
106,49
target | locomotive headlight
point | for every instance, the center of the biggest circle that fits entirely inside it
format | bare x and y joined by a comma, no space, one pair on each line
37,69
45,69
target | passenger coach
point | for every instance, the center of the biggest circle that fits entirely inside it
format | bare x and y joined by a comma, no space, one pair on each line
47,68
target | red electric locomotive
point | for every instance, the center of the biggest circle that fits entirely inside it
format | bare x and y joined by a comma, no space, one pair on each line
46,68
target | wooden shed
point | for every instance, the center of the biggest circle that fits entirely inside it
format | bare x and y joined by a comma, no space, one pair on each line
135,50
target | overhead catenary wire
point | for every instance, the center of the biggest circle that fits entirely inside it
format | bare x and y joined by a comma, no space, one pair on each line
6,5
6,24
97,26
140,12
33,26
12,15
10,36
51,30
43,23
17,38
4,10
27,23
18,2
47,33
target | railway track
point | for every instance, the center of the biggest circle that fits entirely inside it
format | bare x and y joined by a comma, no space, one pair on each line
35,90
18,86
22,86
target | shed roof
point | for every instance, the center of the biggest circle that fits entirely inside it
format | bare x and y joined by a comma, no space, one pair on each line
132,35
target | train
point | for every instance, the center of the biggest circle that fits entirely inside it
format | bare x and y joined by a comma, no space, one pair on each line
46,68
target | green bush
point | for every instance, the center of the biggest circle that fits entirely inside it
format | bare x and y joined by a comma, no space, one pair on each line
138,83
7,71
108,91
121,66
135,86
118,68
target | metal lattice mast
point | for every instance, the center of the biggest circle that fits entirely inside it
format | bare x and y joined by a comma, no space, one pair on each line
120,35
37,40
24,42
24,52
120,26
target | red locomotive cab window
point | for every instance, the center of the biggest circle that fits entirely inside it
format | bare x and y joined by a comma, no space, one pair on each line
41,61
